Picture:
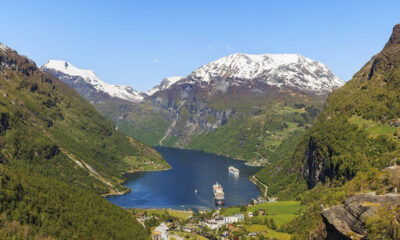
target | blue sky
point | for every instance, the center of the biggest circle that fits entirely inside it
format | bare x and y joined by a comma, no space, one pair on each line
137,43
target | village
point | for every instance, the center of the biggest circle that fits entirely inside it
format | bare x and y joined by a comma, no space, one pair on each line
258,220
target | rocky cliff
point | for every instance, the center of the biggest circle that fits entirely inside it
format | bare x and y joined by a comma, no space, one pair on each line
348,220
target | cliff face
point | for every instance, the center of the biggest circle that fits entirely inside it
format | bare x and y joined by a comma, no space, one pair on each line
189,112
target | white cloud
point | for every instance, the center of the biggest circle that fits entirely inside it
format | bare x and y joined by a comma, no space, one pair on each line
228,46
156,60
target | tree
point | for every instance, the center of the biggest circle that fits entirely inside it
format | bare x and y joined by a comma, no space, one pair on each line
243,208
272,224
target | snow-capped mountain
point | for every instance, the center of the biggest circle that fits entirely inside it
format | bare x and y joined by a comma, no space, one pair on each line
280,70
73,75
230,83
165,83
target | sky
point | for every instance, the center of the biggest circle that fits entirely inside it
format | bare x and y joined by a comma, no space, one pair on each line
138,43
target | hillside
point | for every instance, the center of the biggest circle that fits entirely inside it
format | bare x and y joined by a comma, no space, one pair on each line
250,105
347,158
359,127
49,128
34,207
57,155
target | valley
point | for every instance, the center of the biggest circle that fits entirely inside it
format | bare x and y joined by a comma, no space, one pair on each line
252,135
249,105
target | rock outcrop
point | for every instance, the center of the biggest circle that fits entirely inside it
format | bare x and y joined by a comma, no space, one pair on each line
347,221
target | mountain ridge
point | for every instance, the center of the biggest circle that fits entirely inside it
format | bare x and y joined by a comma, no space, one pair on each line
88,76
269,68
234,66
67,131
58,155
238,86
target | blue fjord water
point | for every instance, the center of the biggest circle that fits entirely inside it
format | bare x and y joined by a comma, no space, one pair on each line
175,188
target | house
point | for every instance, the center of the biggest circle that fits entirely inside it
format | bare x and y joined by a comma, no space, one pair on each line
234,218
250,214
160,232
252,234
214,223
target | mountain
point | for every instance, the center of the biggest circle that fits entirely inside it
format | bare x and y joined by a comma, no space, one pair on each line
242,106
291,71
49,128
348,156
165,83
247,104
365,112
88,84
57,155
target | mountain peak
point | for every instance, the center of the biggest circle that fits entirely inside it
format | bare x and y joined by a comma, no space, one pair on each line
394,39
165,83
118,91
292,70
69,69
3,47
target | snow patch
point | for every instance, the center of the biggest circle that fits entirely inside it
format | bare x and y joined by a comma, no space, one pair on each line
165,83
118,91
275,69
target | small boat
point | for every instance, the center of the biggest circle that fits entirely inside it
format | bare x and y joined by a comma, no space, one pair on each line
233,170
195,191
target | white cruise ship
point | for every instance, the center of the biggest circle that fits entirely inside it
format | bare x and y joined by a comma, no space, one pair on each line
233,170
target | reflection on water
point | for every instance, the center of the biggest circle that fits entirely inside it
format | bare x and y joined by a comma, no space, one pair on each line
191,171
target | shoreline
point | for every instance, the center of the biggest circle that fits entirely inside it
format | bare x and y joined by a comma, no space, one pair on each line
258,183
247,162
113,192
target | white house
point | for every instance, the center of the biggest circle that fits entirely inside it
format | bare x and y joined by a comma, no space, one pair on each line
161,232
234,218
214,223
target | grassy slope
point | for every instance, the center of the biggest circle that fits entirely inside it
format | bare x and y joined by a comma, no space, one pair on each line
140,121
356,131
56,155
281,213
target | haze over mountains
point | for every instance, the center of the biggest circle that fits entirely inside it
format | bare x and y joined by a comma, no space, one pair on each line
181,110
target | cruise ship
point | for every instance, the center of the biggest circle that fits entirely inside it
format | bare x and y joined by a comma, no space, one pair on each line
233,170
219,195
